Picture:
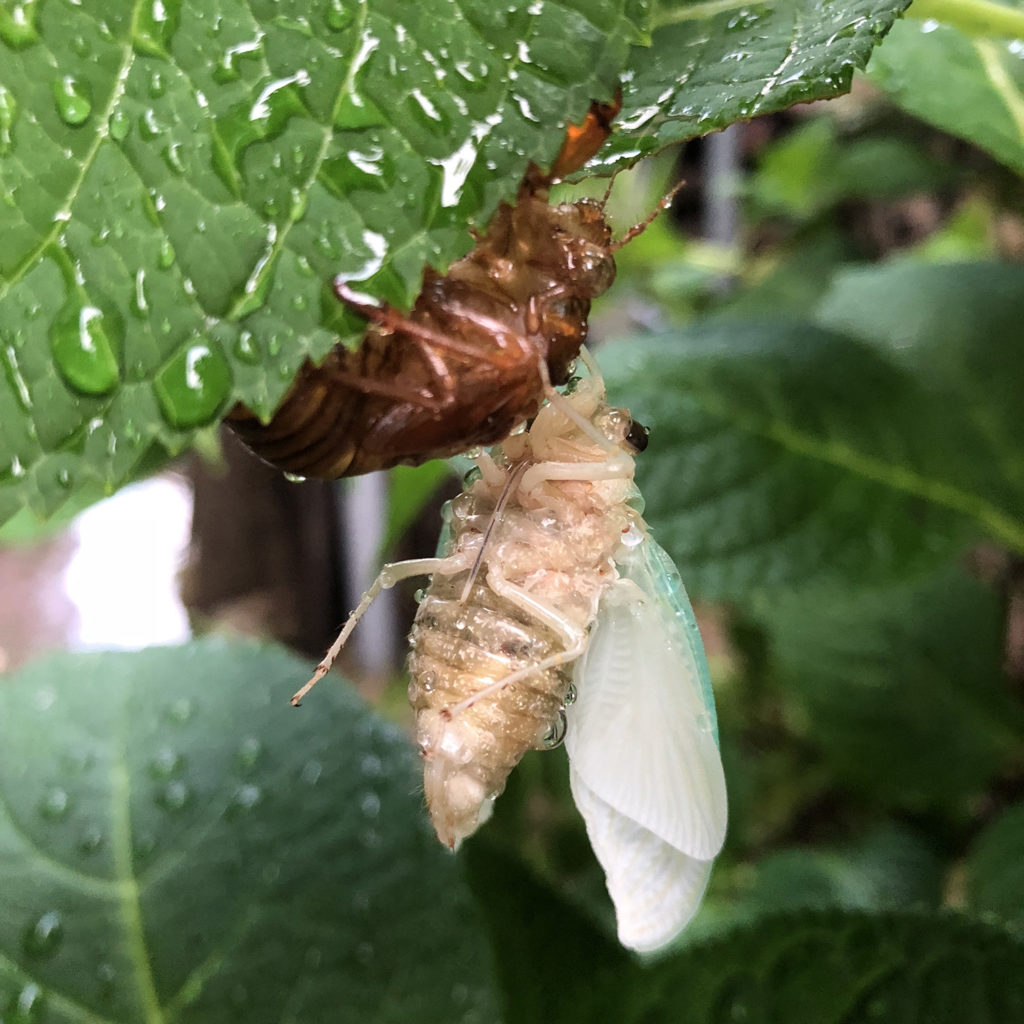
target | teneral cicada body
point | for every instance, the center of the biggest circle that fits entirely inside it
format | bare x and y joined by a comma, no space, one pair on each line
462,368
548,601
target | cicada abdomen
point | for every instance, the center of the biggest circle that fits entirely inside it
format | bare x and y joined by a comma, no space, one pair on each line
469,362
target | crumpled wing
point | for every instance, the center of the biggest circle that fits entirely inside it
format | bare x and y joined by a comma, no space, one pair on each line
646,773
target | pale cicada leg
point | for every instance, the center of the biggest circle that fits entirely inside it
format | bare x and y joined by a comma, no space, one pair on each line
569,631
616,466
574,638
389,575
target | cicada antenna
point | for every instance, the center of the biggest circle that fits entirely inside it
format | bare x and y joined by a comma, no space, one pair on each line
639,229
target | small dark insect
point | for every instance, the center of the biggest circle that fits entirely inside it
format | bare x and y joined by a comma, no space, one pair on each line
471,361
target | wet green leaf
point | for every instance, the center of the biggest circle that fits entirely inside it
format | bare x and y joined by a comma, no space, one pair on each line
176,842
179,188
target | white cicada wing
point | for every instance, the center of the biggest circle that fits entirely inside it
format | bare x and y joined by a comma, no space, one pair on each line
644,763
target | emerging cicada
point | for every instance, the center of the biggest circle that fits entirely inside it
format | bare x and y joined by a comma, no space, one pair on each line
550,603
460,369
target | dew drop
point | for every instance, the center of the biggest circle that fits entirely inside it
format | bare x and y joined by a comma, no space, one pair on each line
173,159
41,940
192,387
165,762
139,302
28,1007
73,104
248,752
571,695
228,69
556,732
175,796
165,257
149,127
106,976
246,798
155,25
338,16
18,24
119,125
90,840
55,804
15,378
369,804
245,349
371,766
84,340
8,115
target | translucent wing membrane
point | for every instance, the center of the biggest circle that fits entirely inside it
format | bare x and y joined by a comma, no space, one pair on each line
646,772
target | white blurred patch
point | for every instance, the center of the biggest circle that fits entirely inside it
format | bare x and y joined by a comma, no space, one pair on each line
122,578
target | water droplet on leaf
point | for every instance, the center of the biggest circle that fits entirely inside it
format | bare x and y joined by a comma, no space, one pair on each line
192,387
73,103
55,804
156,22
41,940
18,24
165,763
85,339
8,114
175,796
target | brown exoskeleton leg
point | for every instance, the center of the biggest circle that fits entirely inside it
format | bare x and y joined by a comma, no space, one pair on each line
429,342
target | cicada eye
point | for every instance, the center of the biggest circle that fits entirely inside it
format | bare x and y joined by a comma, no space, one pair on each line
637,436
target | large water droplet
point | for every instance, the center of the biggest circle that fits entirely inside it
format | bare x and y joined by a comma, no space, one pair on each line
8,114
245,349
276,104
85,340
119,125
156,22
28,1007
42,939
228,69
555,734
192,387
339,15
73,103
245,799
18,24
175,796
55,804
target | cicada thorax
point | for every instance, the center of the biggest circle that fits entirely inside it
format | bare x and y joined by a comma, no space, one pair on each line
520,297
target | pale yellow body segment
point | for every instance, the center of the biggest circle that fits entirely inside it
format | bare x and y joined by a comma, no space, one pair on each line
491,666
